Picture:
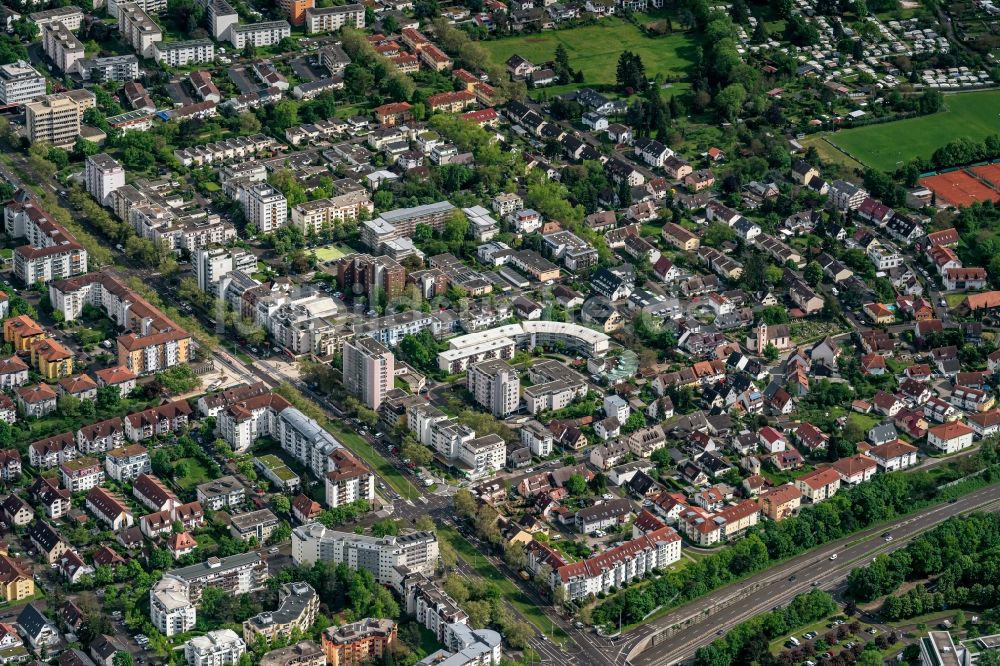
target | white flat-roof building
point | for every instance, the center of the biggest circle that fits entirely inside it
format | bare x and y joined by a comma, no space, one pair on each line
331,19
259,34
221,647
62,46
179,54
137,29
103,175
264,207
417,551
20,83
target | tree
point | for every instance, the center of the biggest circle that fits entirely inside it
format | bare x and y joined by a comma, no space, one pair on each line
771,352
122,659
385,527
730,100
465,503
576,484
631,73
514,554
416,453
282,504
813,273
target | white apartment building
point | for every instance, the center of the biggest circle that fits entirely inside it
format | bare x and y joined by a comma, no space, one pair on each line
331,19
537,438
483,456
417,551
222,17
495,385
137,29
20,83
629,561
264,207
172,601
368,370
102,176
113,68
170,609
316,216
62,46
181,54
221,647
55,262
210,264
148,6
127,463
71,17
259,34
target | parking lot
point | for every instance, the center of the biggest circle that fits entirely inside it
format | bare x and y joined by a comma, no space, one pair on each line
243,79
306,68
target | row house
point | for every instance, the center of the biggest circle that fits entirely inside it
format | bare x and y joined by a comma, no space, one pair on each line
48,494
972,399
169,417
53,451
101,437
151,492
110,509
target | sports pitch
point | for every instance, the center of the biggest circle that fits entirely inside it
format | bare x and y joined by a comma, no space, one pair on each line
973,115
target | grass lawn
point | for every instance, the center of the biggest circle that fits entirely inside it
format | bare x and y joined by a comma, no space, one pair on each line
328,253
195,473
865,421
830,154
595,50
392,476
972,115
510,591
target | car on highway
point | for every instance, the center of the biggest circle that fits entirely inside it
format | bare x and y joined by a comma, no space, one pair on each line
833,557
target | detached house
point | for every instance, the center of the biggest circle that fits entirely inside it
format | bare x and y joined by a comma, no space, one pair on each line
894,455
855,469
820,484
950,437
651,152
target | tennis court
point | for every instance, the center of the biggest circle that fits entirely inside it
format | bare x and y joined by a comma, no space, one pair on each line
958,188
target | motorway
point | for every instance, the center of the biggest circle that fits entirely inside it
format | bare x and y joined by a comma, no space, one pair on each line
696,624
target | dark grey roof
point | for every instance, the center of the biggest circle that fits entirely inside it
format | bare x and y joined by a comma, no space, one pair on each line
32,621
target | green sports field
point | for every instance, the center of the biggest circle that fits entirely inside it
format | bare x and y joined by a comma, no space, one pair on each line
974,115
328,253
595,49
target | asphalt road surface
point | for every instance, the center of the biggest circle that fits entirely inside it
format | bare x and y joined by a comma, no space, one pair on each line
696,624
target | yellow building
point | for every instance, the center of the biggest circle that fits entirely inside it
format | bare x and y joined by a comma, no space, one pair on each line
154,353
51,359
15,581
22,332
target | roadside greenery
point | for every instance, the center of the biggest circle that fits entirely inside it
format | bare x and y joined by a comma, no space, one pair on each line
885,497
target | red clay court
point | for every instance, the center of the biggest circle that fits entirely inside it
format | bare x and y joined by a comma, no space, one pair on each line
957,188
989,172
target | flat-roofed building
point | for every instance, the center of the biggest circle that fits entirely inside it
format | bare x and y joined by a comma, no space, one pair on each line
331,19
20,83
359,642
298,605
